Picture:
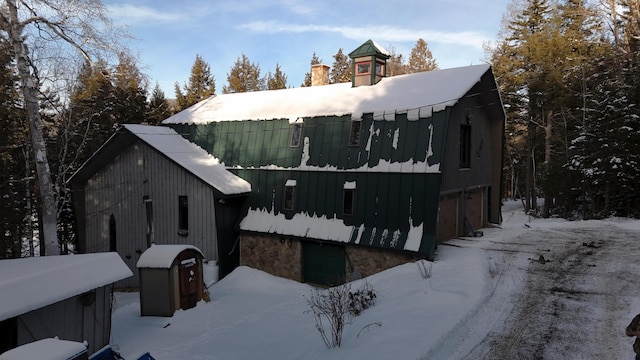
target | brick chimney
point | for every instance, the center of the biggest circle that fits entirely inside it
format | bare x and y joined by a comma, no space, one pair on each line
319,74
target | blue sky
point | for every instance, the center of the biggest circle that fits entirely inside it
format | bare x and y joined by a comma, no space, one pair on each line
169,34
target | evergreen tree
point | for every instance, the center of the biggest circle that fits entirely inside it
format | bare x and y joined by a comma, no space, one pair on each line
130,89
90,119
396,64
158,107
278,80
244,76
307,76
201,85
341,68
421,58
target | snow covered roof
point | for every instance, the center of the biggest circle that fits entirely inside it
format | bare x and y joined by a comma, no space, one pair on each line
162,256
191,157
417,94
32,283
49,348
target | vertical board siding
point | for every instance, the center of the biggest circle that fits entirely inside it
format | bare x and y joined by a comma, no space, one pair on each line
119,188
386,202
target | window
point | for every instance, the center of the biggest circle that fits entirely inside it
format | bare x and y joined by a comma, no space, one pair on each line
363,68
465,146
183,214
113,243
148,206
348,203
379,69
354,136
296,134
289,194
349,198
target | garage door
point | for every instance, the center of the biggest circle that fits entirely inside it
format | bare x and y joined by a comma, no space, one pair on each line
447,227
323,264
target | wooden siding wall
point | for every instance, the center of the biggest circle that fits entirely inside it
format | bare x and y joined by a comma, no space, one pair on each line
70,319
471,185
119,189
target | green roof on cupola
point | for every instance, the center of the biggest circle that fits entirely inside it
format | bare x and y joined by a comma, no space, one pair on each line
369,48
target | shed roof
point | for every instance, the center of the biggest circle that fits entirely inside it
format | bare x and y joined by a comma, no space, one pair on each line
162,256
416,94
32,283
49,348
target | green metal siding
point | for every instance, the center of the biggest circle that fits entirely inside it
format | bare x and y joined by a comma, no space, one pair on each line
388,203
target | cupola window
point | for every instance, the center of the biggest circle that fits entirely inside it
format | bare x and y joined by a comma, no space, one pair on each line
363,68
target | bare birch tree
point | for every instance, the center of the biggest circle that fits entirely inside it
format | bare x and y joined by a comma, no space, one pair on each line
53,27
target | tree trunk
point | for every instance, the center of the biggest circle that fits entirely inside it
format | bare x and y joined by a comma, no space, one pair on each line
30,93
548,133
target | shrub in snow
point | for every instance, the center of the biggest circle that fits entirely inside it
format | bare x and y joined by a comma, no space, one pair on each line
336,307
361,299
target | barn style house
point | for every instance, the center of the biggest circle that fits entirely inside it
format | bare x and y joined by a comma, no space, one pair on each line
345,179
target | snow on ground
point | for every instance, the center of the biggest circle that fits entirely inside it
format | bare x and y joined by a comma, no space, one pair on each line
470,297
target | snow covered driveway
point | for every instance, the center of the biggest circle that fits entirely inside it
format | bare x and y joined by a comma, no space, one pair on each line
573,289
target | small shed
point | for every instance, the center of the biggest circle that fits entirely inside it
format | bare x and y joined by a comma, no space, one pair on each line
65,295
171,278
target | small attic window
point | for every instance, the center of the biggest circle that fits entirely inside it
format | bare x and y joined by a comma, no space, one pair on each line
296,135
363,68
354,135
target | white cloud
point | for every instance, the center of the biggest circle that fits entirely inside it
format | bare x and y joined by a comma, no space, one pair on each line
133,14
381,33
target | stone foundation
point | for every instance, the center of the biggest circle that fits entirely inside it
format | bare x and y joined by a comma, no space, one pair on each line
368,261
279,256
282,256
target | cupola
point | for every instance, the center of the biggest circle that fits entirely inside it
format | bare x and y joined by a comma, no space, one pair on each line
368,64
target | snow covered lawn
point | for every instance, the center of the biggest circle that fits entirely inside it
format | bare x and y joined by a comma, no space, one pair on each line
468,306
